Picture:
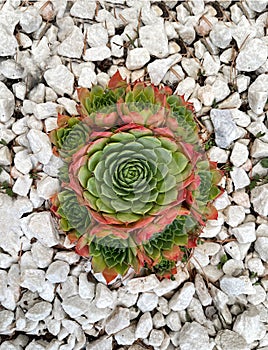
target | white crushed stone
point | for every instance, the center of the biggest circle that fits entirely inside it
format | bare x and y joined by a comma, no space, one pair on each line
57,272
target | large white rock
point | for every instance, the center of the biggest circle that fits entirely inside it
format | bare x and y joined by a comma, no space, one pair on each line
39,311
104,297
226,130
96,35
75,306
230,340
239,154
142,284
147,302
245,233
99,53
144,326
137,58
259,199
235,215
83,9
58,271
30,20
8,42
40,145
126,336
154,39
239,177
193,336
234,286
118,320
60,79
86,289
261,247
40,226
249,326
7,102
47,187
158,68
258,93
22,185
221,35
247,59
259,149
73,45
183,297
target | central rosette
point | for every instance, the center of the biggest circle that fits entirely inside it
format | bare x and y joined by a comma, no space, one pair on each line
129,176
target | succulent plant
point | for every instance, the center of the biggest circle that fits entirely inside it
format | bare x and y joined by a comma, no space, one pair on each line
136,183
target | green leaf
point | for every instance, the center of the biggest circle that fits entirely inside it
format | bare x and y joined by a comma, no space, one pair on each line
264,163
83,175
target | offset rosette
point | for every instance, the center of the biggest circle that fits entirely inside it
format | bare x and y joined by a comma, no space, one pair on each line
136,182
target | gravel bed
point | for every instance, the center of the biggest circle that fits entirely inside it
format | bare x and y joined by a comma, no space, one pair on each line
215,54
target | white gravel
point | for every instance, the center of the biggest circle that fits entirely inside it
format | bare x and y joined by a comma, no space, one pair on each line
213,53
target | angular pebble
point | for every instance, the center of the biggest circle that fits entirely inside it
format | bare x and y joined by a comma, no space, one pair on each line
259,199
57,272
182,298
137,58
40,145
60,79
226,130
247,60
118,320
147,302
154,39
7,102
144,326
39,311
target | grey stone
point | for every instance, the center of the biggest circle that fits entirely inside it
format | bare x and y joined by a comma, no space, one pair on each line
230,340
226,130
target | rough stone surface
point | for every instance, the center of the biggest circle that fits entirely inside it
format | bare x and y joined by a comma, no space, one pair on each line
57,272
225,129
154,39
247,60
259,198
182,299
60,79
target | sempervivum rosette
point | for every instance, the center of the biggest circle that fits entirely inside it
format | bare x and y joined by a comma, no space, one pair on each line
136,183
